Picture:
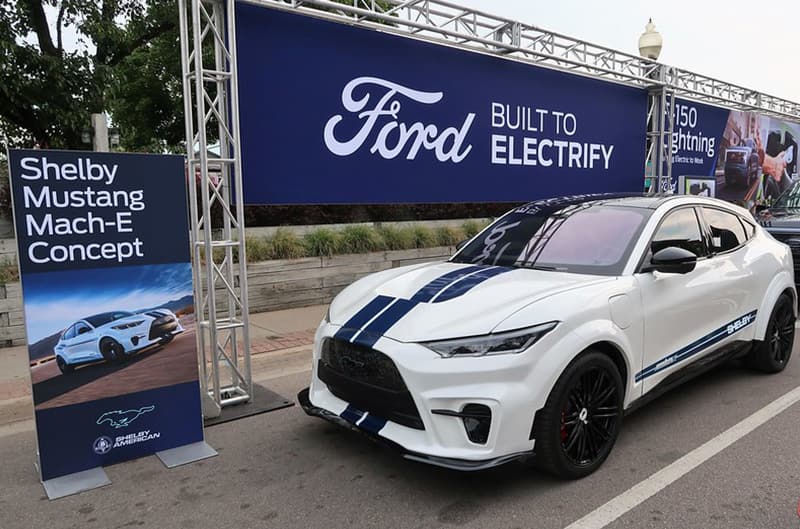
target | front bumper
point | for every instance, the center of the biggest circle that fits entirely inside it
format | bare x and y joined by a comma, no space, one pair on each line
445,462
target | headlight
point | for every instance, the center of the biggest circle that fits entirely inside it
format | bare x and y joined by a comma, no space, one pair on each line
128,325
501,343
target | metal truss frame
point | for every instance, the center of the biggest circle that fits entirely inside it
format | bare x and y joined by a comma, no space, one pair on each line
211,105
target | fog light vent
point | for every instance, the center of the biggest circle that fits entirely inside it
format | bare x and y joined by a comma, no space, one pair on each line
477,420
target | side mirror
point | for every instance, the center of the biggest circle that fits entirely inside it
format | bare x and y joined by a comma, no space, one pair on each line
461,244
83,330
672,260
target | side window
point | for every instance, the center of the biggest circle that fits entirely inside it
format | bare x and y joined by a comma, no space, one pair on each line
682,229
69,333
727,231
749,229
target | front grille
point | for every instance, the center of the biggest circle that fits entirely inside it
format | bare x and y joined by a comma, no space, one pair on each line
793,241
369,380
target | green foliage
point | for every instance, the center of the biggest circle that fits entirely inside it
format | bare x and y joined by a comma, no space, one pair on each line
471,228
423,236
359,239
284,244
449,236
321,242
395,238
257,248
49,90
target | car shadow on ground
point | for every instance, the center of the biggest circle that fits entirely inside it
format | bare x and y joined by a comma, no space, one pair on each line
64,383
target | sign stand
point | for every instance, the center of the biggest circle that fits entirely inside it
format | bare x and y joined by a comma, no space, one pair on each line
181,455
76,482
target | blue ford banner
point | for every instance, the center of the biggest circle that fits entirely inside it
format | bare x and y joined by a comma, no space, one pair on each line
336,114
109,314
740,156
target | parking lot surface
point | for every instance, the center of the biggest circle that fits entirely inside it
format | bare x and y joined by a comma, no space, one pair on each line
284,469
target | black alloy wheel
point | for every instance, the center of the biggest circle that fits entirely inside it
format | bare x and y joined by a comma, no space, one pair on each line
63,366
589,416
582,417
773,354
111,350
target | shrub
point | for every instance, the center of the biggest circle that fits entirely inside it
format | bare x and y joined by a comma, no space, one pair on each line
359,239
321,242
422,236
284,244
395,238
448,236
471,228
258,248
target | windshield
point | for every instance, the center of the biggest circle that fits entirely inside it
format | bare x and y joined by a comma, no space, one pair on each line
789,199
106,317
587,238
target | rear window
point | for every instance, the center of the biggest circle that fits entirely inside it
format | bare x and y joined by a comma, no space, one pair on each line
588,238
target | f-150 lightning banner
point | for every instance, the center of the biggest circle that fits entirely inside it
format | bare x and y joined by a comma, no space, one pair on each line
106,277
739,156
332,113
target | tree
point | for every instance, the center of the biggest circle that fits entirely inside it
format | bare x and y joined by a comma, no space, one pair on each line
47,92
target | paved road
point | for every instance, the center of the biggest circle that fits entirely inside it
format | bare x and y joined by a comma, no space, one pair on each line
286,470
158,366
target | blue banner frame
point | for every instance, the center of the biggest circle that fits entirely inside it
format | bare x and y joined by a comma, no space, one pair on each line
336,114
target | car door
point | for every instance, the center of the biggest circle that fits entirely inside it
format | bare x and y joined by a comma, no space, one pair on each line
737,264
682,311
84,346
64,347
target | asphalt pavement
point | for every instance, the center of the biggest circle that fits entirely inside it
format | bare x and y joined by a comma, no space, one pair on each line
285,470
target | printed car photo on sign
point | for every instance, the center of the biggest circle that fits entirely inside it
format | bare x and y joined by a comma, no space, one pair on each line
137,331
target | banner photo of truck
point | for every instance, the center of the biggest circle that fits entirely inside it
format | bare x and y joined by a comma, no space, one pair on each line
109,309
752,158
347,115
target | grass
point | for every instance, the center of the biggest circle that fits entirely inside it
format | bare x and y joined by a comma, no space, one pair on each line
321,242
359,239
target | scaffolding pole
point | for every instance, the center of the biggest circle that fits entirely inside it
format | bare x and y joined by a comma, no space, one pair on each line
211,105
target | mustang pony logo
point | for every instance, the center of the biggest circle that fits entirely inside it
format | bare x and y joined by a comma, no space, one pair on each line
122,419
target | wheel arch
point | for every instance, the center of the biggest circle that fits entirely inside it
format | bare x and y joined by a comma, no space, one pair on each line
613,351
781,284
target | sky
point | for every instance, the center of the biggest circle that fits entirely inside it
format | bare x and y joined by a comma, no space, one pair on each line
54,300
752,44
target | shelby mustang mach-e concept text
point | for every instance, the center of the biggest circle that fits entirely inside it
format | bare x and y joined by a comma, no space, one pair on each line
539,334
113,336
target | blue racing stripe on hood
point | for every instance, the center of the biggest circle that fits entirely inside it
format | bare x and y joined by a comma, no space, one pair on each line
461,287
370,334
425,294
361,317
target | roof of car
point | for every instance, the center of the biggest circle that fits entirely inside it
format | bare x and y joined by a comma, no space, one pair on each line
618,199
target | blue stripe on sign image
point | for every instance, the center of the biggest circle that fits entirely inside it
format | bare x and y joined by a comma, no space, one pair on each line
460,288
384,322
372,424
425,294
361,317
351,414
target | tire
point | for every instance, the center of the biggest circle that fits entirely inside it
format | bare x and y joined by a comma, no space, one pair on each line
63,366
111,350
165,340
772,355
572,439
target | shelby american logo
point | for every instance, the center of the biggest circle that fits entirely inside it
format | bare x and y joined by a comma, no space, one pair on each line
122,419
376,114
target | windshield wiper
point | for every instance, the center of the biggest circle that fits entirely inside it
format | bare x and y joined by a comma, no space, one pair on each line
542,267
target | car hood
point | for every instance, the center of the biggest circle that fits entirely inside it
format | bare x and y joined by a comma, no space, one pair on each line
777,219
446,300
